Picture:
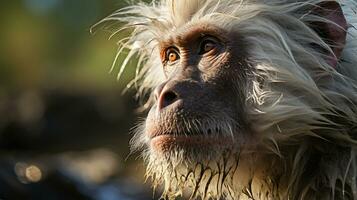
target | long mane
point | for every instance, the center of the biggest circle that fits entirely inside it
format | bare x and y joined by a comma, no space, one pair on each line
296,101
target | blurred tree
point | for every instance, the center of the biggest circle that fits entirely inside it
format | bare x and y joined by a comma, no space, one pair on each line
56,96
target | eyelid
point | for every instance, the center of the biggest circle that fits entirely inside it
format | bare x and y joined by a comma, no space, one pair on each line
210,37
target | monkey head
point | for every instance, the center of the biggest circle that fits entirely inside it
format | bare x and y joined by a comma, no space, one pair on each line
245,96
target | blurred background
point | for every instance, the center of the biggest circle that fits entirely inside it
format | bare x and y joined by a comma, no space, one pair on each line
64,123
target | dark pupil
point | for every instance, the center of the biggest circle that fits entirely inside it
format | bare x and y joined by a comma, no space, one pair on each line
172,56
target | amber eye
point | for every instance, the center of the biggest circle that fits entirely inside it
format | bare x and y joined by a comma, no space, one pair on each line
172,55
208,45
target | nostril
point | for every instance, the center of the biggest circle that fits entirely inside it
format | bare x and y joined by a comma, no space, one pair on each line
170,97
167,98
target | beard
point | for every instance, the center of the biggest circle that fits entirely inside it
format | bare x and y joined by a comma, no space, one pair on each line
210,163
192,173
198,172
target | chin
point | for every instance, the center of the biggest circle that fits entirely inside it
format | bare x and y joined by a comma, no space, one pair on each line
198,163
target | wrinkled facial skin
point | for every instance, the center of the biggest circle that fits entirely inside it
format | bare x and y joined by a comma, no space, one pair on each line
200,106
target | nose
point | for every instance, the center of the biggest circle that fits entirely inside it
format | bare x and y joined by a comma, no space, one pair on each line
165,96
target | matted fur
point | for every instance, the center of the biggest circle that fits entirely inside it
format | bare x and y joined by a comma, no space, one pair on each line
303,113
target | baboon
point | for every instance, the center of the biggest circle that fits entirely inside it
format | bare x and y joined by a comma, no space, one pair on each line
250,99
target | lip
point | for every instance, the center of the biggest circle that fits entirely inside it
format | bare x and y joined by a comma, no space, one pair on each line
169,142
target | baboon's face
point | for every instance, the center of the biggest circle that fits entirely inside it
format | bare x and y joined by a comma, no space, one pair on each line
200,108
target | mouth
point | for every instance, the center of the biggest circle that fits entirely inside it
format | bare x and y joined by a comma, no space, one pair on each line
170,142
201,136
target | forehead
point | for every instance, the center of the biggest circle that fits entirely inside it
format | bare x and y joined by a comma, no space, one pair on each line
190,33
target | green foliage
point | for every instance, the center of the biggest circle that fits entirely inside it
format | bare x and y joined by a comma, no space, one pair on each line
47,44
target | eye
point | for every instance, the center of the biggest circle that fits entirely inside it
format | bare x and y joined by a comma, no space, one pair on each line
208,44
171,55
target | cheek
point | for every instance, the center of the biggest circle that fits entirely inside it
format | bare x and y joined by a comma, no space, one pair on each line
171,69
213,63
151,122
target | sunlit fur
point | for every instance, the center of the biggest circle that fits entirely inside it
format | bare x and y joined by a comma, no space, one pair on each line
296,101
